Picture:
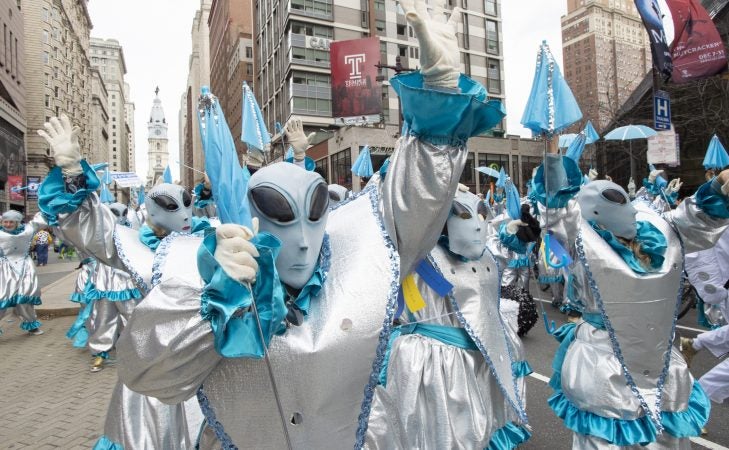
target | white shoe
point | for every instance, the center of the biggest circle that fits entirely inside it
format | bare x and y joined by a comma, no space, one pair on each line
35,332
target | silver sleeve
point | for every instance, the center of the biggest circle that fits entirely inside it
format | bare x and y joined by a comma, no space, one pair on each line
564,223
91,229
167,348
38,222
416,196
698,230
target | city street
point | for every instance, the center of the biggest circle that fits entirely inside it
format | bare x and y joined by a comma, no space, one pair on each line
51,400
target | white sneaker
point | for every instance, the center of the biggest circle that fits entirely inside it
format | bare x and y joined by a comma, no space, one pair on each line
35,332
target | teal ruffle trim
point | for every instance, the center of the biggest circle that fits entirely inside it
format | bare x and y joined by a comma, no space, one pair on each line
27,326
104,355
309,163
565,193
511,241
652,242
470,112
53,198
711,201
641,431
519,262
104,443
226,303
508,437
546,279
77,297
520,369
19,299
115,296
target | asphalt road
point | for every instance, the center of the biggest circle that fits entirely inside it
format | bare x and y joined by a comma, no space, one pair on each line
548,431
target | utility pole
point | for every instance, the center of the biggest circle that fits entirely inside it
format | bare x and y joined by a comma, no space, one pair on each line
398,68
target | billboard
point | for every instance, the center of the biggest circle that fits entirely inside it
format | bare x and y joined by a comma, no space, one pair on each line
697,49
355,91
14,187
32,189
650,13
11,150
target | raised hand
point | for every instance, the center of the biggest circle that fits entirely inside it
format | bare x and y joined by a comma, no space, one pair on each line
440,57
235,253
63,140
299,141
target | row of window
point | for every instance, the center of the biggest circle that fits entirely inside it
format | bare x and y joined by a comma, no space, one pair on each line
9,55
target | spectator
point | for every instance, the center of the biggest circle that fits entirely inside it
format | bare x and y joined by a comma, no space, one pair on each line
41,241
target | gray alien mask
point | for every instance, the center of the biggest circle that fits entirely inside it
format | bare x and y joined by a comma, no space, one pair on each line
169,207
466,226
293,205
120,211
607,204
337,194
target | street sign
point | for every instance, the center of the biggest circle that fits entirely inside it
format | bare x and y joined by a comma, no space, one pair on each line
661,110
664,148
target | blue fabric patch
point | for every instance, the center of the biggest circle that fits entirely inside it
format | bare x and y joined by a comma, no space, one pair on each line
53,198
148,238
19,299
681,424
433,278
456,337
519,262
549,279
511,241
104,443
711,201
520,369
226,302
508,437
652,242
199,203
652,188
309,163
470,113
560,199
115,296
19,229
28,326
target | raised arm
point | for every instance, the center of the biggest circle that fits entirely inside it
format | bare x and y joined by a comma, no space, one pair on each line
702,218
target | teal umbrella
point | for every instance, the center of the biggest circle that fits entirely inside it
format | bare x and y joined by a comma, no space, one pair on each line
591,134
716,156
628,133
565,140
362,166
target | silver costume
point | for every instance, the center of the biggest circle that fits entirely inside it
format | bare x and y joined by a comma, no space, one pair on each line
602,358
18,280
322,366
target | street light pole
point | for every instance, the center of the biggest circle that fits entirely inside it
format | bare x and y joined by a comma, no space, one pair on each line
398,68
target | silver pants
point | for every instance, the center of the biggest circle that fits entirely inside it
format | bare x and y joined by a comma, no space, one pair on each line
25,311
106,322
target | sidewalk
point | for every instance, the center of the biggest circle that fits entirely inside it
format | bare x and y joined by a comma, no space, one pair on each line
55,295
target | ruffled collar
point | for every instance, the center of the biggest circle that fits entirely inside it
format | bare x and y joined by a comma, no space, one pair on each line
652,243
302,300
152,241
19,229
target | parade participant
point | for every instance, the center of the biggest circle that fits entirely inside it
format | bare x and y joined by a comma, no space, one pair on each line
114,297
330,320
432,362
78,332
618,381
708,273
68,200
18,279
204,202
337,194
657,193
715,382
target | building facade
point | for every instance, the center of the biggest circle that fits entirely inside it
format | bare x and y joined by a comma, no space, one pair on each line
191,153
157,151
99,142
12,106
606,54
57,75
292,63
231,59
129,110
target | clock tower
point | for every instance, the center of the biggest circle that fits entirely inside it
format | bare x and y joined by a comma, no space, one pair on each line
157,138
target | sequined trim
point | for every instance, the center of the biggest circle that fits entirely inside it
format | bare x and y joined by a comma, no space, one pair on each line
614,342
394,258
138,280
29,326
225,441
519,409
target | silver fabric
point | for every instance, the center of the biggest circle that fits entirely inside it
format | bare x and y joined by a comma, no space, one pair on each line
110,279
106,321
708,272
656,202
17,271
664,442
25,312
509,310
452,390
138,422
420,177
85,274
208,211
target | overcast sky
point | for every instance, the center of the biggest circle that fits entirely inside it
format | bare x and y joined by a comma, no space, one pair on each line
155,36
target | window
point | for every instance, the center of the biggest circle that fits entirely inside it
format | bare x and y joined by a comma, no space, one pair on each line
402,50
311,79
309,54
322,168
312,30
495,161
492,37
466,63
249,69
490,7
312,6
48,101
45,36
528,164
46,58
400,30
380,26
249,52
494,76
467,177
342,168
55,91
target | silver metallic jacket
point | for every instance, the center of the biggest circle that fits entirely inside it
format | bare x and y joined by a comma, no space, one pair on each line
17,271
326,369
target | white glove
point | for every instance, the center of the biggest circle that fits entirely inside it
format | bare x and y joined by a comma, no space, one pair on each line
674,186
235,253
63,139
440,58
723,179
655,174
297,139
592,175
631,187
513,226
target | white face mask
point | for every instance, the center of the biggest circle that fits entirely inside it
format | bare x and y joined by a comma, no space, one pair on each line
467,226
607,204
169,207
291,204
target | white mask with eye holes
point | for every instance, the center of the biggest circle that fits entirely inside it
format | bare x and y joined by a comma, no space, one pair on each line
607,204
120,212
466,226
291,204
169,207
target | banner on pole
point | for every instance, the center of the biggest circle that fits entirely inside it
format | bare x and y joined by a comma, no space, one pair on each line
126,179
14,188
651,15
355,90
33,185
